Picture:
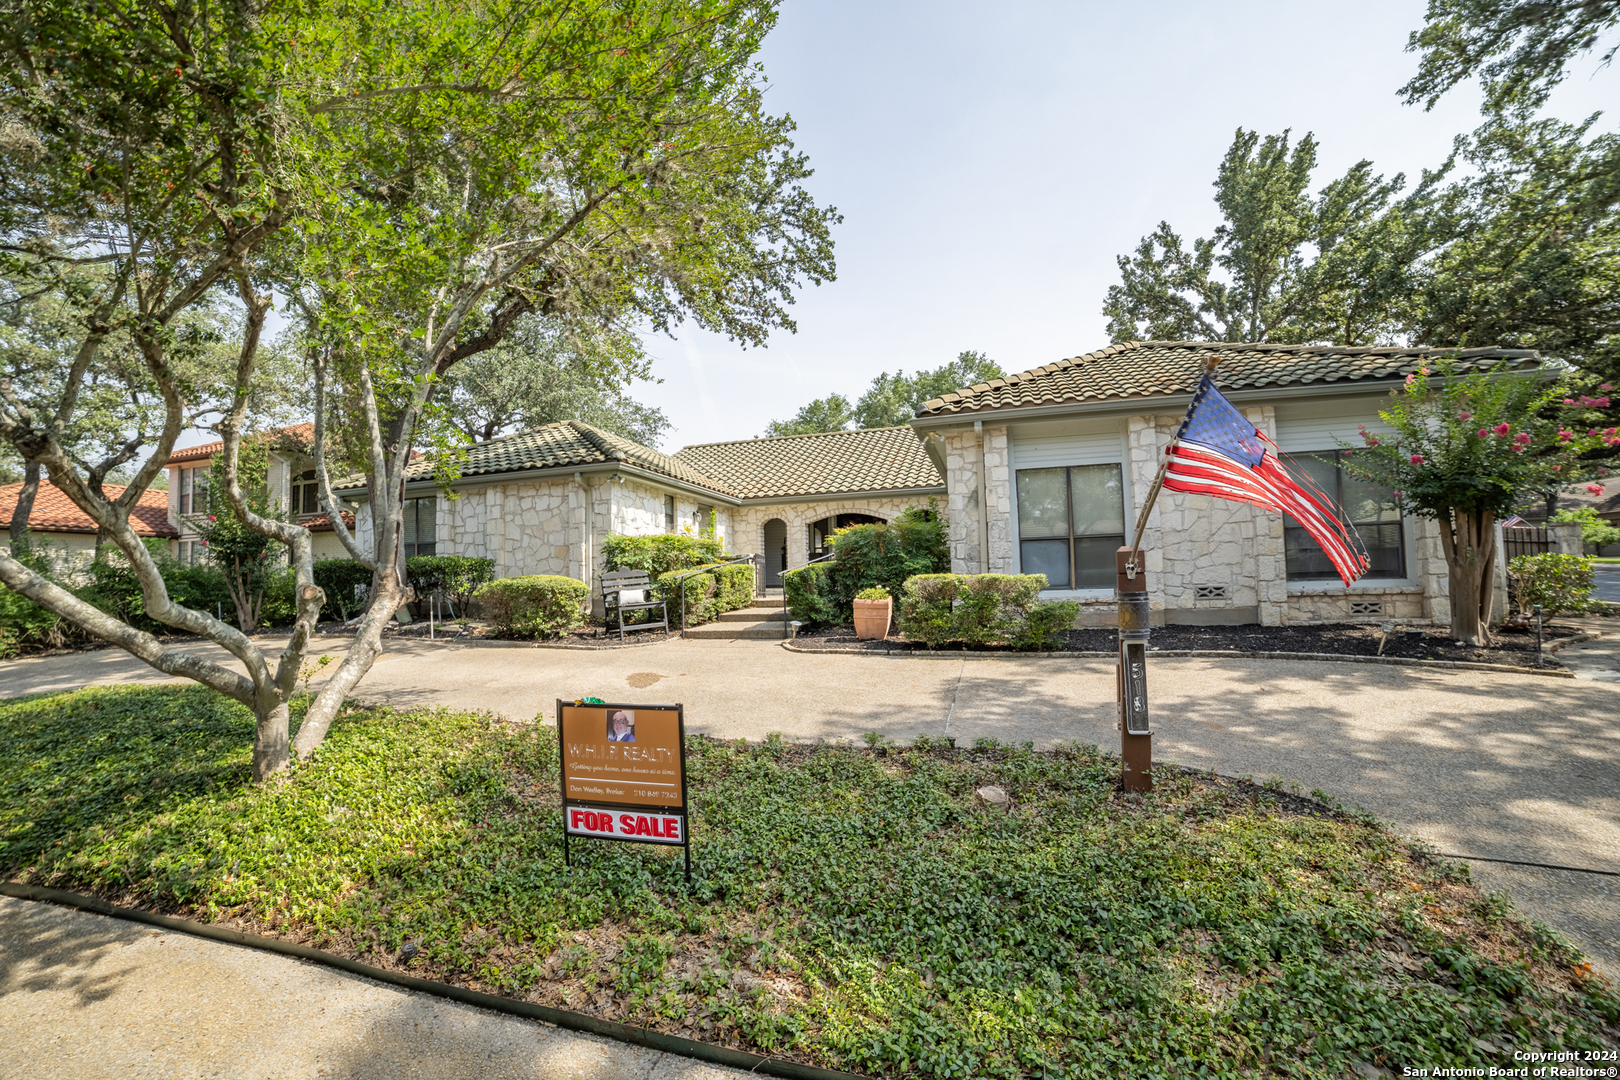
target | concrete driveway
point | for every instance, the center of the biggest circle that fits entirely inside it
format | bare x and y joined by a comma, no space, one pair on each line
1499,766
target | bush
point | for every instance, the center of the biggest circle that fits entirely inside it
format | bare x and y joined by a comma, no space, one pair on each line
722,588
1556,582
658,555
458,576
879,555
538,606
808,595
1594,530
876,592
982,609
339,579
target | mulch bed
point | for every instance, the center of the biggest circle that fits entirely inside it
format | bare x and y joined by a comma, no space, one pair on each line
1514,648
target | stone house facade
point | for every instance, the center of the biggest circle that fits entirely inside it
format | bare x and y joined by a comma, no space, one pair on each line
1046,471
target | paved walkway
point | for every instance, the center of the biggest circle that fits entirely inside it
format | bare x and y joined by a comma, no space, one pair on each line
1516,767
84,997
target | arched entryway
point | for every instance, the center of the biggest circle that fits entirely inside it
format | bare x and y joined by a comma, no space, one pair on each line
775,552
820,530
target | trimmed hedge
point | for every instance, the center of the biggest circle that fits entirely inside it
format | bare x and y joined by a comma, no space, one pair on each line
338,579
660,554
876,555
538,606
460,576
722,588
982,609
809,596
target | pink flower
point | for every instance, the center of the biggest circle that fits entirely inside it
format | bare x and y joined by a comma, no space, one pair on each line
1517,448
1417,459
1569,401
1465,416
1372,440
1502,429
1595,489
1565,436
1522,438
1558,468
1410,379
1605,386
211,517
1483,432
1603,472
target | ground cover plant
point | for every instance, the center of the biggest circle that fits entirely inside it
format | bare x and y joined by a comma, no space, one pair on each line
860,908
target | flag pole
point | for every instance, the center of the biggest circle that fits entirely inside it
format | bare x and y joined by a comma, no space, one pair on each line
1209,364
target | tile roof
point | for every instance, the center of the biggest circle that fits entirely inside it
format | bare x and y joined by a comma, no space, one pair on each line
54,512
323,522
1145,369
567,442
876,459
297,436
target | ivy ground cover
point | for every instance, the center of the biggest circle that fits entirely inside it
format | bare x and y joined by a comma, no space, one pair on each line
856,908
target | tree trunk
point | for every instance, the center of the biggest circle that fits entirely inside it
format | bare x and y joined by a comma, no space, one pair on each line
1470,546
25,503
270,736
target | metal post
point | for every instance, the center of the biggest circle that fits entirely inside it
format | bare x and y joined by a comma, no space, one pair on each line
1537,610
1135,738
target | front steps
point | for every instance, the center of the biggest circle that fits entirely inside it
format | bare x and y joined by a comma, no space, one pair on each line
762,622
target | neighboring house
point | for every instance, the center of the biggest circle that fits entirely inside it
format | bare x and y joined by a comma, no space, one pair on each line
1047,469
68,532
291,479
543,501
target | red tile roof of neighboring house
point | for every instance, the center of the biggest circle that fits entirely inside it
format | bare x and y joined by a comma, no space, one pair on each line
54,512
323,522
298,435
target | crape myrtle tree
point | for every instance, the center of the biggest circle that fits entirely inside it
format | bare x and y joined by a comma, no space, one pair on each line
1464,450
154,158
615,166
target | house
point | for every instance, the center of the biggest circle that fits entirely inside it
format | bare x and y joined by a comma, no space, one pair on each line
1046,470
68,533
291,478
543,501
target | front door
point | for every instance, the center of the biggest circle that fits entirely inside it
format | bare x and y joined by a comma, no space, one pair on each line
775,552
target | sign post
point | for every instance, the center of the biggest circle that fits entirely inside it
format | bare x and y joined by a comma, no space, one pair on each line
624,774
1135,737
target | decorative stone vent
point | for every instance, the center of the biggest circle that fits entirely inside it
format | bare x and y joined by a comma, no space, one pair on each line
1366,607
1209,592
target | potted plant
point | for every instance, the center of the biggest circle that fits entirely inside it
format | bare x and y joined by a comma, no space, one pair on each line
873,607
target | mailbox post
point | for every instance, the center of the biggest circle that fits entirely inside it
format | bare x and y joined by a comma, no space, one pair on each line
1136,738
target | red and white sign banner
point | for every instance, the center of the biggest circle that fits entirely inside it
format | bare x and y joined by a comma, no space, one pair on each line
625,825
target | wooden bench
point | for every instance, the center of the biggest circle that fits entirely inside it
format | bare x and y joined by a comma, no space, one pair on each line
630,590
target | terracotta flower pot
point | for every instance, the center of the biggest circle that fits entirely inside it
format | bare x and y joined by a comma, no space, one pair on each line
872,618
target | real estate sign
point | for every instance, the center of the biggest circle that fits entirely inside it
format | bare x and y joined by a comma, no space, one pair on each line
623,773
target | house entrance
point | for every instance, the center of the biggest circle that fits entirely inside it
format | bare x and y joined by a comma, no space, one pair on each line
775,552
820,530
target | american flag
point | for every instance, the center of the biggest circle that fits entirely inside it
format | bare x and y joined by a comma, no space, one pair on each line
1514,522
1220,452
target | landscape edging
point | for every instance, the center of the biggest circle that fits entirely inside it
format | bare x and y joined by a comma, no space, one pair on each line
1392,661
563,1018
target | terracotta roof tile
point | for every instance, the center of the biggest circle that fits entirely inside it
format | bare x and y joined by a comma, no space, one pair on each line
54,512
298,436
831,463
1146,369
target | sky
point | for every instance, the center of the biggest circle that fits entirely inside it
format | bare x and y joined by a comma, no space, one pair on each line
992,160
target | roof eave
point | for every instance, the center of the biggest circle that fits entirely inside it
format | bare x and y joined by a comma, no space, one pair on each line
829,496
555,472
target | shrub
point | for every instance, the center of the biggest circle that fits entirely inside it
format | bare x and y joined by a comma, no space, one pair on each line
1556,582
458,576
876,592
882,555
981,609
658,555
538,606
1594,530
279,604
808,595
340,579
717,589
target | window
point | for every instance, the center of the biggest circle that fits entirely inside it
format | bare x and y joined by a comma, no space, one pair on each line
192,552
305,495
421,528
194,490
1369,509
1070,522
669,513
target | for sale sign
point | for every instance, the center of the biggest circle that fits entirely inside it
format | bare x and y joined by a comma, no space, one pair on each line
623,773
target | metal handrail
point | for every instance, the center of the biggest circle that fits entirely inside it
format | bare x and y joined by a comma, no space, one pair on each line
786,622
704,570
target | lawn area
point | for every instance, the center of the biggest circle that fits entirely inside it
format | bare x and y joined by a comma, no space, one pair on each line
854,908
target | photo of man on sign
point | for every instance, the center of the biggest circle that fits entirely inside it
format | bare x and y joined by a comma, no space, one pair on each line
621,726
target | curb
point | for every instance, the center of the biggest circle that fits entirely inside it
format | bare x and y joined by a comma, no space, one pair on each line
563,1018
1390,661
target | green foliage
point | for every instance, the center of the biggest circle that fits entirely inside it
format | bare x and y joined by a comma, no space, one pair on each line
248,559
876,592
723,588
538,606
933,938
983,609
338,579
460,576
891,400
1518,49
883,555
808,594
1557,582
1594,530
661,553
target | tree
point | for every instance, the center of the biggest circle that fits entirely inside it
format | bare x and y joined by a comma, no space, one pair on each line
246,557
1520,49
1594,530
1283,267
541,373
891,400
1465,449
